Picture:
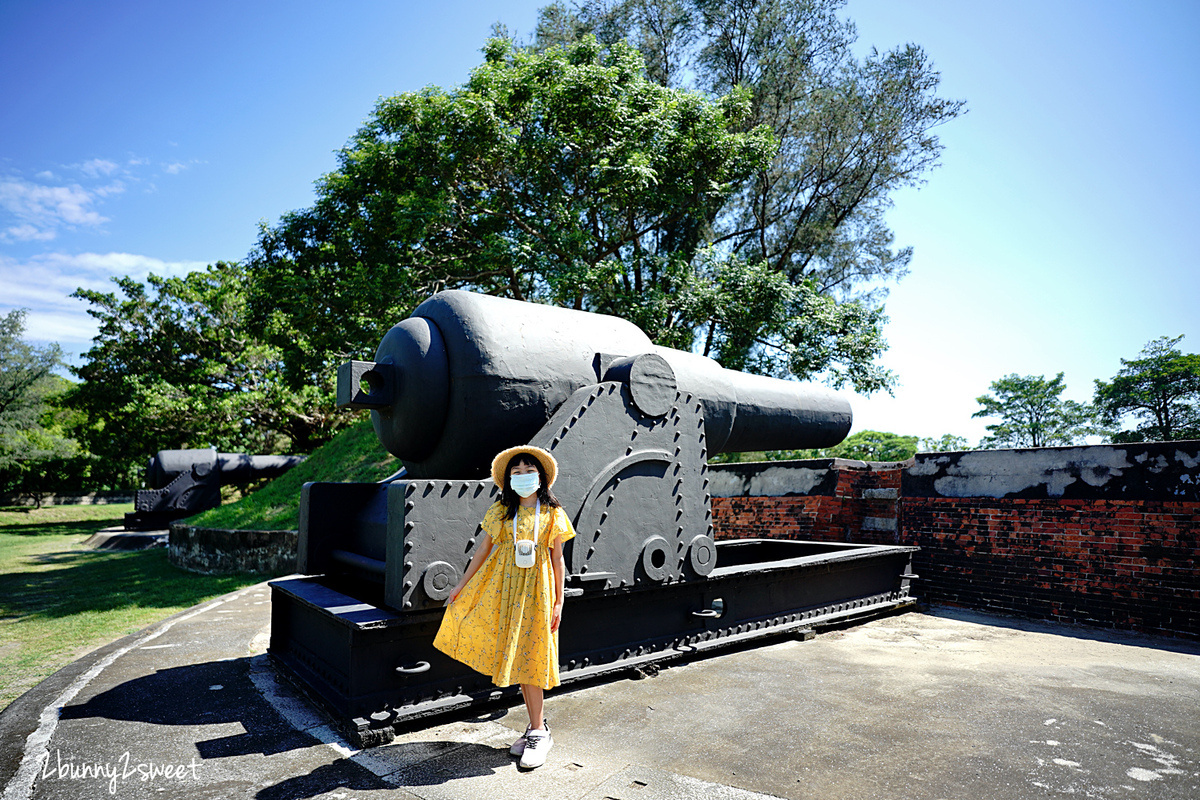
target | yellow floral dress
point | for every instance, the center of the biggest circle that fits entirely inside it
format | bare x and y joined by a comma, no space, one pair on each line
500,623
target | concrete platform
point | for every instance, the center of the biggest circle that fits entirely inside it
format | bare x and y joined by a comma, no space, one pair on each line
942,705
117,538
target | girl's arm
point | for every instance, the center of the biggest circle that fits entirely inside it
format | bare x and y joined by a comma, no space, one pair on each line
560,577
481,554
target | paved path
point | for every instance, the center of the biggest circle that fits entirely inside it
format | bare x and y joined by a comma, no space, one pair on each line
943,705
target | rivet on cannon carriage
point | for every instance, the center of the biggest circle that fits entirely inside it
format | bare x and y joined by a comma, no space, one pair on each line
633,426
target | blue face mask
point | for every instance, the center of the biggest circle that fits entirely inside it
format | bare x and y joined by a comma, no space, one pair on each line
526,484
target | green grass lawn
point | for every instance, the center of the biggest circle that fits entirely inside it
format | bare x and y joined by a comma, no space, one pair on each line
60,599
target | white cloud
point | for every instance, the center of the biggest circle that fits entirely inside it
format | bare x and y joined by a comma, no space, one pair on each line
26,233
116,187
41,211
98,168
176,167
43,284
42,208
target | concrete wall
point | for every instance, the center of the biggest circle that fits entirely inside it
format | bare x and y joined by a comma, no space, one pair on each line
1105,535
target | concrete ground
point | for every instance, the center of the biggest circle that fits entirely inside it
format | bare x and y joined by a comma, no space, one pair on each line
942,705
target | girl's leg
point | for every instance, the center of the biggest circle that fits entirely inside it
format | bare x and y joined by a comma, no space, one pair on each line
534,704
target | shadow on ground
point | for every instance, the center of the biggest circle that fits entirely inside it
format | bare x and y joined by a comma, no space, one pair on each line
210,696
84,527
92,580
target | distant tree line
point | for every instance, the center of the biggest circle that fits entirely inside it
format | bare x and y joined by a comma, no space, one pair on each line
1154,397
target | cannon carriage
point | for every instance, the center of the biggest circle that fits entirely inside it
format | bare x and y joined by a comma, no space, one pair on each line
632,426
180,483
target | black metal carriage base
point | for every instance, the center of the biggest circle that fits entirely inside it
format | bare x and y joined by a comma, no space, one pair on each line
374,668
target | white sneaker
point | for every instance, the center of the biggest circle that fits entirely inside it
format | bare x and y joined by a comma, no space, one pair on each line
518,746
537,745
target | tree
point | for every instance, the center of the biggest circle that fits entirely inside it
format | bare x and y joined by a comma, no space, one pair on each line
561,176
861,446
1032,414
944,444
875,446
851,131
28,445
175,365
1160,389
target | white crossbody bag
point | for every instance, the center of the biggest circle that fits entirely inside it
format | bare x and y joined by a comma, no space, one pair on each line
524,547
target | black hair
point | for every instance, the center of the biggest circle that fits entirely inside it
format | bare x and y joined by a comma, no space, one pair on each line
511,499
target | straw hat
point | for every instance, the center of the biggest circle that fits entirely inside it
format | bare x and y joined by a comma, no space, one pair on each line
500,463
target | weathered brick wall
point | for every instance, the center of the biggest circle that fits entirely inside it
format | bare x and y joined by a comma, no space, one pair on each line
1127,564
776,518
1105,535
835,500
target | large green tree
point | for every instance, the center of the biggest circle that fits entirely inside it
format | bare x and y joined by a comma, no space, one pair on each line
176,364
1032,413
1160,390
851,131
560,175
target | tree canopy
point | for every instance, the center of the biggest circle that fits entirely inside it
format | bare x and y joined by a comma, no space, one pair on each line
947,442
563,177
562,173
1032,413
874,446
26,376
850,131
176,364
1160,390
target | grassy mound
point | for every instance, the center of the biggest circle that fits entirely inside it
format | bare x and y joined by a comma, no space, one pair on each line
352,456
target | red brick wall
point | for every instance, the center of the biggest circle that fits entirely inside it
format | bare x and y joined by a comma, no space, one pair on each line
836,518
777,518
1128,564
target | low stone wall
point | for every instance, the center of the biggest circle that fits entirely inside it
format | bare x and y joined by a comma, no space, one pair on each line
215,551
1105,535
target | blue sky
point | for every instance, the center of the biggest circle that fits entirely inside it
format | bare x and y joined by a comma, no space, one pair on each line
1057,235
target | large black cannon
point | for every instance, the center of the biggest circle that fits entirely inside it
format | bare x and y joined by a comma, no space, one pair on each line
632,426
181,483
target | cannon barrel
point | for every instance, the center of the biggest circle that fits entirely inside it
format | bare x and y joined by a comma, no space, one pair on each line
231,468
180,483
468,375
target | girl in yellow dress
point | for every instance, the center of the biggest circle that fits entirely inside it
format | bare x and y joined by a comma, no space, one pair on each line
502,618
